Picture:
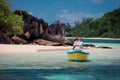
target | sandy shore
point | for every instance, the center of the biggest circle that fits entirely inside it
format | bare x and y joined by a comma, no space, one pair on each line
4,48
30,48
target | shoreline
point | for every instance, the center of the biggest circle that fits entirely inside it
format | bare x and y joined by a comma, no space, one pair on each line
97,38
12,48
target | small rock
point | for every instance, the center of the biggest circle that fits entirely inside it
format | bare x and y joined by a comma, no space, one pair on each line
106,47
88,45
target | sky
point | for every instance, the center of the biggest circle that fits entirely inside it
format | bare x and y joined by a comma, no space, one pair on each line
67,11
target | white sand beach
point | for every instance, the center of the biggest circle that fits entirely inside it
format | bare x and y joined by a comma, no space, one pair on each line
32,49
5,48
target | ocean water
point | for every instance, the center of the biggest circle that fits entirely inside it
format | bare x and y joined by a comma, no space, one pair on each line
114,43
55,65
95,40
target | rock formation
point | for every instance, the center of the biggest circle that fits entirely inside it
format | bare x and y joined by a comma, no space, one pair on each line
18,40
4,39
33,27
47,43
38,29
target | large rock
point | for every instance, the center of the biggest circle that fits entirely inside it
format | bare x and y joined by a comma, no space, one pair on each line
57,28
4,39
18,40
57,39
34,28
66,42
47,43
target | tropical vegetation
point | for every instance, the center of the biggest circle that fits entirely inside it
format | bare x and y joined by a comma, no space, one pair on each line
106,26
9,22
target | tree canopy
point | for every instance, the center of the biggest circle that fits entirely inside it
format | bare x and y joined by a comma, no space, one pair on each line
9,22
106,26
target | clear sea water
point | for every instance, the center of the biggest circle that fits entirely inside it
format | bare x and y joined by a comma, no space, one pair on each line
41,66
114,43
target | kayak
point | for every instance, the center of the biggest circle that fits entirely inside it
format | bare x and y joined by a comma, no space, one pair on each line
77,55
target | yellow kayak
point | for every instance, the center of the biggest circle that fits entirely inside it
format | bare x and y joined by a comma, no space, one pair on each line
77,55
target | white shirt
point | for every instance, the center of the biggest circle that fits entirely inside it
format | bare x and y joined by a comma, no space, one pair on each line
78,45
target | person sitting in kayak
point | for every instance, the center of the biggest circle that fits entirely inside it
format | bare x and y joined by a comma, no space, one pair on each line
78,44
81,43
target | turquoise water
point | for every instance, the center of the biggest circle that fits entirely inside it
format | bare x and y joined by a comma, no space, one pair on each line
55,66
41,67
101,42
89,40
113,45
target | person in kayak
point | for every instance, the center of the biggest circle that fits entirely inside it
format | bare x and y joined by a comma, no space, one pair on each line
78,44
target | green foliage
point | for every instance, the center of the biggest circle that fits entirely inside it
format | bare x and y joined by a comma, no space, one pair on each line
4,9
106,26
5,27
17,24
9,22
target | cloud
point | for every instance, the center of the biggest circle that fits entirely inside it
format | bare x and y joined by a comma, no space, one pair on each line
68,17
97,1
56,3
30,13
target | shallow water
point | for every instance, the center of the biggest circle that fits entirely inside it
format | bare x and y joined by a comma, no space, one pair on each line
55,66
113,45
